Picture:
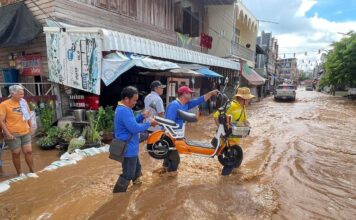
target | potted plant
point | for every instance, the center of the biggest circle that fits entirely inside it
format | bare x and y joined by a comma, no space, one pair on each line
91,133
106,123
47,142
67,134
46,117
50,139
76,143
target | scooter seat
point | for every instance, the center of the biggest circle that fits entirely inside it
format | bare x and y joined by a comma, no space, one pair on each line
187,116
165,121
199,144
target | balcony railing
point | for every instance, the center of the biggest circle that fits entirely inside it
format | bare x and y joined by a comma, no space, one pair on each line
243,52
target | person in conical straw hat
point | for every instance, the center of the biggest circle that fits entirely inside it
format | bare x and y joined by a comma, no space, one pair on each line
238,112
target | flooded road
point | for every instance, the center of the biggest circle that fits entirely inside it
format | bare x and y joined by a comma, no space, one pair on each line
42,158
299,163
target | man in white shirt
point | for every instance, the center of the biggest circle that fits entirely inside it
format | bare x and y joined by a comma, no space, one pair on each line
154,99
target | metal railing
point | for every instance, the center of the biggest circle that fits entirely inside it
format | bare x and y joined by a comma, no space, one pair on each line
32,89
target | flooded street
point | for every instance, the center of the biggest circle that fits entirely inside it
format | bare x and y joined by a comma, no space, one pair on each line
299,163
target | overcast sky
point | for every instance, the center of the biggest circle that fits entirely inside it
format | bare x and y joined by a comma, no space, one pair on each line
305,25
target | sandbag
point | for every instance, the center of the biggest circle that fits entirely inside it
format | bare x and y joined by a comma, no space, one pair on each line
4,186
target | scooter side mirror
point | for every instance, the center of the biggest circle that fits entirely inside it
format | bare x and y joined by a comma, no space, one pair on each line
153,105
187,116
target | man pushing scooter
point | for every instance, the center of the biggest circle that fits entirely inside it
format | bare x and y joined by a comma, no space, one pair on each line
183,103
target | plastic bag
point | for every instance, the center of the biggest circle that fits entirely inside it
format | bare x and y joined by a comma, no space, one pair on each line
33,122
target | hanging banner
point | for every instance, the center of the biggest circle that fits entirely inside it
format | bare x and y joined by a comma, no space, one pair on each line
74,60
115,66
30,65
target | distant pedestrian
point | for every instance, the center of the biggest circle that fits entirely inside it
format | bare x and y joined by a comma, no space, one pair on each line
15,120
154,99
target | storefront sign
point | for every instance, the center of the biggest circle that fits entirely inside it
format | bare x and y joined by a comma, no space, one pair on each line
74,60
30,65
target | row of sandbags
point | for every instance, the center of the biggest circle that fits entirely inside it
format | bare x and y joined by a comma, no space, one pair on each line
65,160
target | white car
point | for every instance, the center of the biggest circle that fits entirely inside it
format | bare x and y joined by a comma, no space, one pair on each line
285,92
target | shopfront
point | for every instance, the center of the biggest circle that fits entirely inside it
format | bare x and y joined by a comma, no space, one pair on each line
102,62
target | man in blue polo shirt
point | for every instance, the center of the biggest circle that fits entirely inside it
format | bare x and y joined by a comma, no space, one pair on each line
184,102
126,128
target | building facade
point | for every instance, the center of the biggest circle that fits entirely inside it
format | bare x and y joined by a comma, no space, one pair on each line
164,29
234,30
266,64
288,69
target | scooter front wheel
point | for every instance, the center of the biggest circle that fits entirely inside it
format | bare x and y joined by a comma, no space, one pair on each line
159,150
231,156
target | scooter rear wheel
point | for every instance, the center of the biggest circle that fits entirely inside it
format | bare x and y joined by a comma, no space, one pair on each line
160,149
231,156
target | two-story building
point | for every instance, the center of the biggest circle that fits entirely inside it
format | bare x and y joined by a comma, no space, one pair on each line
288,70
266,62
234,30
159,35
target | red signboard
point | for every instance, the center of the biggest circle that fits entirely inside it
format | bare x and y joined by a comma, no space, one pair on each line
206,41
30,65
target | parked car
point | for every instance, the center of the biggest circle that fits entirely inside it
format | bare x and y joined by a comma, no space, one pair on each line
309,88
285,92
351,93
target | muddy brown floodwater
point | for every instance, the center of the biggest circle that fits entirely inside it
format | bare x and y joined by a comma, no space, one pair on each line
299,163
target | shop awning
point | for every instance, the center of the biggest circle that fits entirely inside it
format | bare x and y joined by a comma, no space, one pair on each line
181,72
17,25
208,73
261,71
115,64
185,72
251,76
114,40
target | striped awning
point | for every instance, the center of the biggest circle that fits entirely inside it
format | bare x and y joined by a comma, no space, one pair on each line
114,40
252,76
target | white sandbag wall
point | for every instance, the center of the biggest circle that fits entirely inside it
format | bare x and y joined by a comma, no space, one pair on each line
65,160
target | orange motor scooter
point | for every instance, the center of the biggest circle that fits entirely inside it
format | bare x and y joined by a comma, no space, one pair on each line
161,142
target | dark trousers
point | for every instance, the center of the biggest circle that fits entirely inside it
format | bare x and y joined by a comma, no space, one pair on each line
172,161
131,168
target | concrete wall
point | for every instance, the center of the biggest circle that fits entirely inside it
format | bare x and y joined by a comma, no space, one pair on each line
220,27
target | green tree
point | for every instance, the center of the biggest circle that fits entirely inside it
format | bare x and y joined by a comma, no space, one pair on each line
340,65
304,76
